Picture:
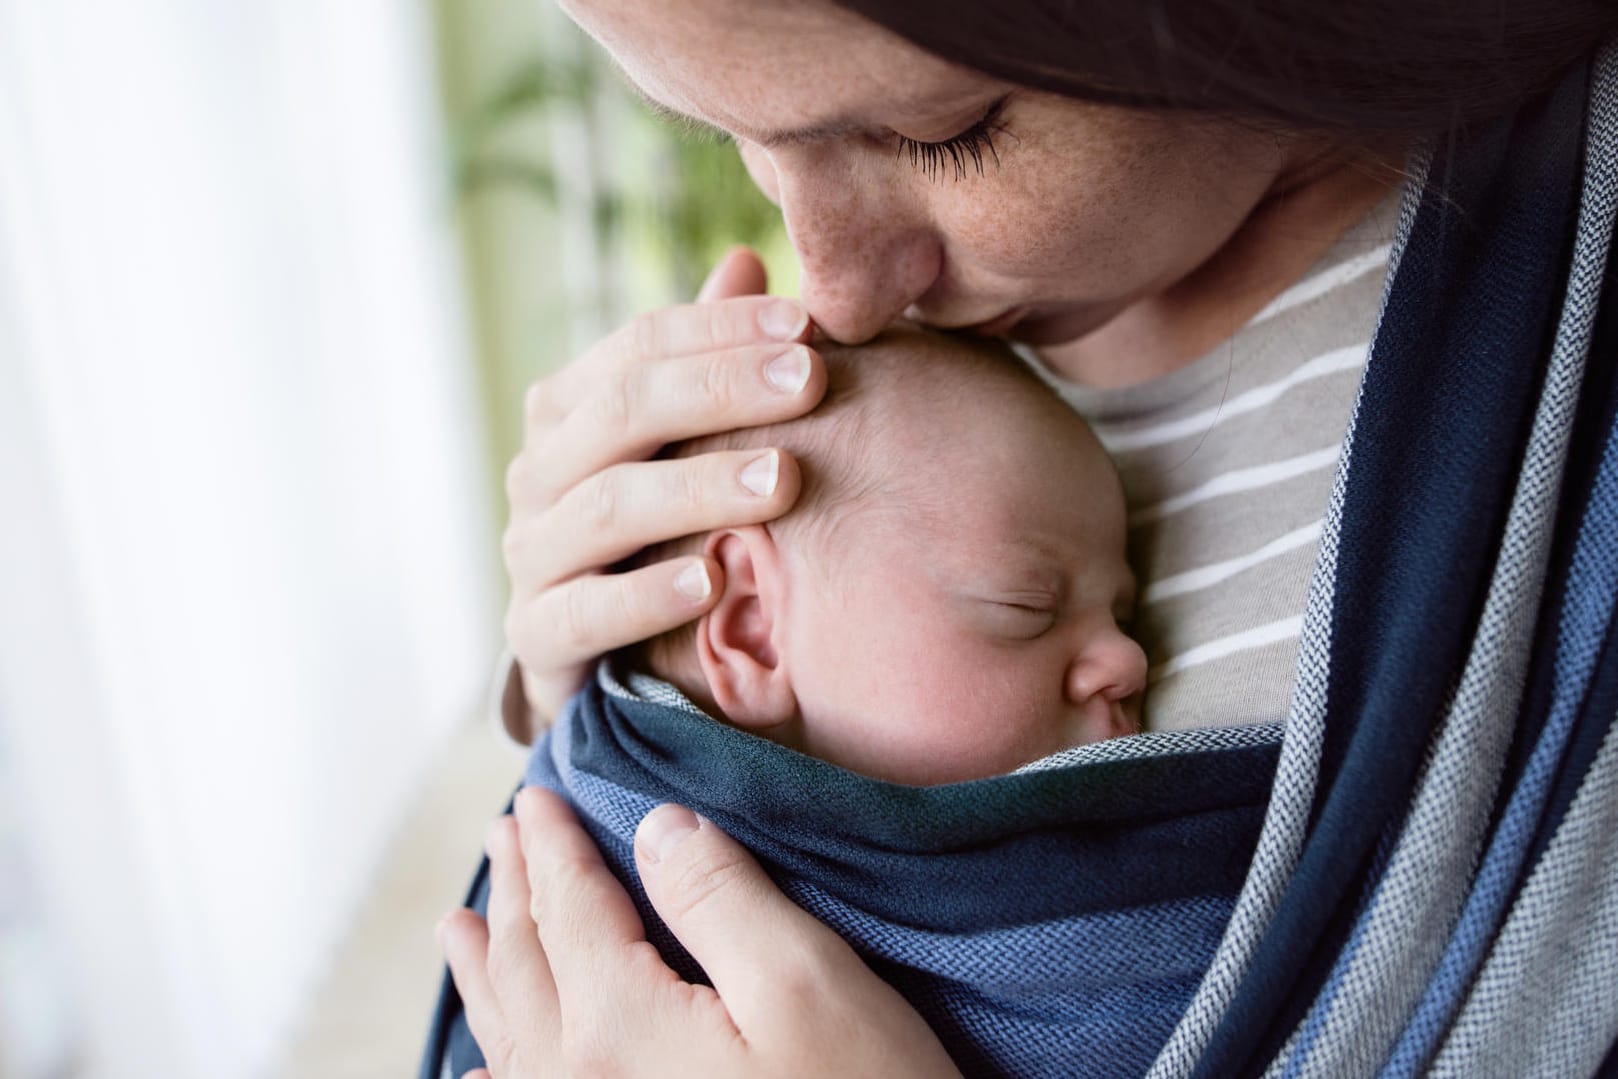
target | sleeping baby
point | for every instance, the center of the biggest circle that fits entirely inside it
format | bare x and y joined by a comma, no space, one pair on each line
904,705
957,553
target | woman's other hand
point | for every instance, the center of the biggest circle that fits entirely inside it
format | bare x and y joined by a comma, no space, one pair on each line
561,981
584,495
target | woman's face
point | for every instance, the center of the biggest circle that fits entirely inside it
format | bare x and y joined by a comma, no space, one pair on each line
912,186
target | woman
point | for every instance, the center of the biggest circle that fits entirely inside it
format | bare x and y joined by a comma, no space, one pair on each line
1124,189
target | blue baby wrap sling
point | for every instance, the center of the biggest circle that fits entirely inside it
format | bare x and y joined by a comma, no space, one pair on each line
1418,873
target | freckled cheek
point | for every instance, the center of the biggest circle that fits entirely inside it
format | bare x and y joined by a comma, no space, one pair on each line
1045,219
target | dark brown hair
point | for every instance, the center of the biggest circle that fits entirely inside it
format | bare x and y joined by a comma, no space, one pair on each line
1370,68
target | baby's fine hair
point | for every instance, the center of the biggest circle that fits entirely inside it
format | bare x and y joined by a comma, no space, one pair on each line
839,445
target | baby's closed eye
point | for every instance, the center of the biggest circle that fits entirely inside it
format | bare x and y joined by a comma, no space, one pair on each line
1016,618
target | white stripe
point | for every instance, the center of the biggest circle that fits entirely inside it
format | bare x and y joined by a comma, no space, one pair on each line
1198,424
1323,282
1236,481
1207,576
1248,639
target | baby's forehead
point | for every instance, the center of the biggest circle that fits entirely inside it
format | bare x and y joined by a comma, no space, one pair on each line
918,417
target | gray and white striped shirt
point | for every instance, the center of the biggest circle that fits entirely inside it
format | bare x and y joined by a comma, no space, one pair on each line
1227,466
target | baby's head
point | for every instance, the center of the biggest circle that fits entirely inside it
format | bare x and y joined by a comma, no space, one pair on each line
943,602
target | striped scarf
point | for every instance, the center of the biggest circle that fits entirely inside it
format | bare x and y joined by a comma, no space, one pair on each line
1435,890
1418,873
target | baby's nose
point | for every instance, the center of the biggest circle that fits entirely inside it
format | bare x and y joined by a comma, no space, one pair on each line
1105,683
1112,668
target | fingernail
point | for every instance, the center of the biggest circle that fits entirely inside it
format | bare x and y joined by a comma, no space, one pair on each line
663,828
692,582
789,372
762,473
783,320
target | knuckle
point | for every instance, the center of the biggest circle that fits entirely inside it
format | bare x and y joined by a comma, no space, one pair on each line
798,989
719,384
501,1055
645,336
536,403
614,406
567,878
689,487
563,911
511,546
601,503
642,961
516,478
504,965
699,885
529,484
725,321
542,485
573,622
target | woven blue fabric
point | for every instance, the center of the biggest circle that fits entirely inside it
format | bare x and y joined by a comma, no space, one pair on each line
979,900
1449,394
1586,626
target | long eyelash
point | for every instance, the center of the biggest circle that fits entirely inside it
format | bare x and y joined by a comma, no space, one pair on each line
958,151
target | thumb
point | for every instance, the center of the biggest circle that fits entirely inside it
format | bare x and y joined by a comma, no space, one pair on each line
739,272
727,913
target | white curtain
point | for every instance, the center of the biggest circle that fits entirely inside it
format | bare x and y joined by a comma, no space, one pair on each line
246,584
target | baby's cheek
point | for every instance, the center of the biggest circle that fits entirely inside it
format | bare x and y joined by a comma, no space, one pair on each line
845,665
988,715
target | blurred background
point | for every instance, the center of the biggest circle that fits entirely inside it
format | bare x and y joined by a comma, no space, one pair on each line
273,278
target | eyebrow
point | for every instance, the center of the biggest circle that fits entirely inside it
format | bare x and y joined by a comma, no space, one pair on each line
832,129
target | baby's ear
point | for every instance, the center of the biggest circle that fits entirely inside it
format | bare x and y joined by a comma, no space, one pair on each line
737,639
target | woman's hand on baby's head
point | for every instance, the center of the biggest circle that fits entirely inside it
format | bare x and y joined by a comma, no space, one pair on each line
584,493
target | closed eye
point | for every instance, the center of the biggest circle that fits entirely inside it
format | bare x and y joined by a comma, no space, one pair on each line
959,152
1017,621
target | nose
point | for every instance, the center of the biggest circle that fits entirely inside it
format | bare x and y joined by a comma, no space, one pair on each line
1104,683
864,247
